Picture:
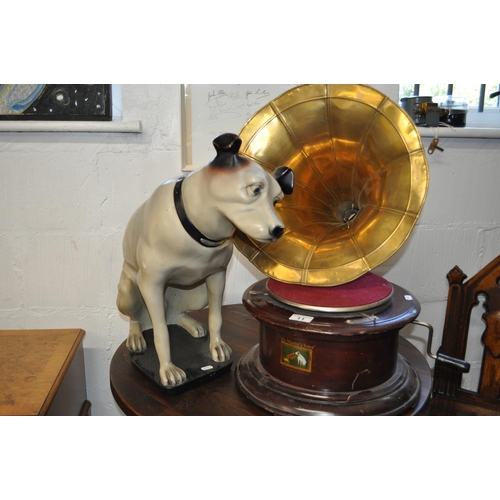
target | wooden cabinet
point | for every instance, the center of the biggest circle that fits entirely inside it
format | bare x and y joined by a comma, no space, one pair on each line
42,372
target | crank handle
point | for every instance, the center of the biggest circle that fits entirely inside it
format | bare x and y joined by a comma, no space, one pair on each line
443,359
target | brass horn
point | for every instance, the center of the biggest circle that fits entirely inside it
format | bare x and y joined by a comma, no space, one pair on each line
361,179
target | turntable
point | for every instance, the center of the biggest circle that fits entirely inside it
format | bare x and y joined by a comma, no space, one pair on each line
329,326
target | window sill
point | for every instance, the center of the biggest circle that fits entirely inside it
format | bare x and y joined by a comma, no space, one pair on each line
460,133
70,126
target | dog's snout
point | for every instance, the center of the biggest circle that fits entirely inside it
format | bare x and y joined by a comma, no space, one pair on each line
277,231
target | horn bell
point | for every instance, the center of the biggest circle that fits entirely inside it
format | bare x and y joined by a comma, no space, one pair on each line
361,179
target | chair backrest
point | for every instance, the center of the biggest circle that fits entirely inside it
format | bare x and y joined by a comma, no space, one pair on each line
463,296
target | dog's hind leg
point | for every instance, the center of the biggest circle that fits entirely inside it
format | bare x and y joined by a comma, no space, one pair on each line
181,300
130,303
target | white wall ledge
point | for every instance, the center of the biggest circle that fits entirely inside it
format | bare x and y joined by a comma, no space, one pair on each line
135,127
460,133
71,126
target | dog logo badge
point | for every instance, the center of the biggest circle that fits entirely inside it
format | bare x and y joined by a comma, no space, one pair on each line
296,356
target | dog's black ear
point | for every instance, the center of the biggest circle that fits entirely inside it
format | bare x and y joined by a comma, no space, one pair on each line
227,147
284,176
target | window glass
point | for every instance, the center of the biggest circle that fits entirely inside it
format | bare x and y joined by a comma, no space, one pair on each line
469,91
487,116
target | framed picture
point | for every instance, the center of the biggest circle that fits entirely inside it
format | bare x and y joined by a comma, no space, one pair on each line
55,102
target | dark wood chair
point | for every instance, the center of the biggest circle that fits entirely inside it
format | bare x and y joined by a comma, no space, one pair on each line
448,396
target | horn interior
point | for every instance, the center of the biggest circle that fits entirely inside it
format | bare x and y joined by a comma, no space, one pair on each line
361,179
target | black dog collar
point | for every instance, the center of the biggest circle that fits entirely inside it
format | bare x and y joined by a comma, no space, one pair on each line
187,224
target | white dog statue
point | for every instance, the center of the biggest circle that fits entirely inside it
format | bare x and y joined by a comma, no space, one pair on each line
178,244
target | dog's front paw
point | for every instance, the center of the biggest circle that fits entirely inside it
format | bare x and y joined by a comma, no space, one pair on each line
171,375
220,351
136,341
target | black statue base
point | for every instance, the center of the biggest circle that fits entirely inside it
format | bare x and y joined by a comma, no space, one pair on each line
189,353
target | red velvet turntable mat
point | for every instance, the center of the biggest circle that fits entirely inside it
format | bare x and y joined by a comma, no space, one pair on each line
364,293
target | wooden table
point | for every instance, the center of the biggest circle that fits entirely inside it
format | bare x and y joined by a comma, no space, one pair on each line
137,395
42,373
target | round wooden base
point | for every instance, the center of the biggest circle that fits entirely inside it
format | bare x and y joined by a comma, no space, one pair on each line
396,396
328,364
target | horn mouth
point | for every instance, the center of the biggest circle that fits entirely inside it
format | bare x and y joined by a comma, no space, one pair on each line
361,178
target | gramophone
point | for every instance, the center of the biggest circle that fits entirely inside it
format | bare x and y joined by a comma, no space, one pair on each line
329,326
